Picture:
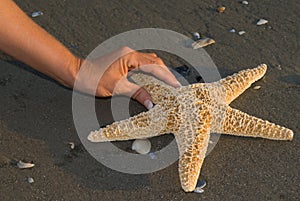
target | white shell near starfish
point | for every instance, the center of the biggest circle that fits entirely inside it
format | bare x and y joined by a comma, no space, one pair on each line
141,146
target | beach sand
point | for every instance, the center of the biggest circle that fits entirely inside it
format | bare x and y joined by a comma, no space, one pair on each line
36,121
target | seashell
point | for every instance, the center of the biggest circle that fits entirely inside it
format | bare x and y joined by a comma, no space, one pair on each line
198,190
245,2
261,22
196,36
221,9
72,145
232,30
257,87
241,32
278,67
202,43
36,14
23,165
141,146
30,180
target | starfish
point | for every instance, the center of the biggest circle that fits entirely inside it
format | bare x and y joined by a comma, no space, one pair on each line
191,113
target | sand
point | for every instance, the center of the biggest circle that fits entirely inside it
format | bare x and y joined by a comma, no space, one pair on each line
36,121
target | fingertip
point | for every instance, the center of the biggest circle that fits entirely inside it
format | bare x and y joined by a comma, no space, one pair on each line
148,104
143,97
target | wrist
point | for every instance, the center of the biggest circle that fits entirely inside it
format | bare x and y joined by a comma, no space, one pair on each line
72,70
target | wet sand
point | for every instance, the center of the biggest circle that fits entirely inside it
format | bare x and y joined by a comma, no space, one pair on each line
36,121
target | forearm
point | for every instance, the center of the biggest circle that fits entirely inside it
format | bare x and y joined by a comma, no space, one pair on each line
24,40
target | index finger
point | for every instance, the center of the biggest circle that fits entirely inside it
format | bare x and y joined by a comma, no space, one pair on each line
161,72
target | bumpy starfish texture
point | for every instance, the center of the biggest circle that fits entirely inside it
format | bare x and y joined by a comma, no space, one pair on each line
191,113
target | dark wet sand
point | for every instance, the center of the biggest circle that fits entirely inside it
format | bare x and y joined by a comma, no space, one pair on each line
36,121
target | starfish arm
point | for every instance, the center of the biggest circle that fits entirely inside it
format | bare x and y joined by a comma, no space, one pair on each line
143,125
241,124
143,79
192,145
156,88
237,83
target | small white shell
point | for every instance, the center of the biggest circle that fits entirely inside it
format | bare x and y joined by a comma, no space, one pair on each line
278,67
23,165
257,87
202,43
245,2
30,180
72,145
196,36
141,146
198,190
232,30
241,32
36,14
261,22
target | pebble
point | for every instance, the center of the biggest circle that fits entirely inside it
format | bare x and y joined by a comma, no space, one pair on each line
23,165
30,180
232,31
257,87
37,13
261,22
196,36
201,183
221,9
141,146
241,32
199,79
183,70
245,2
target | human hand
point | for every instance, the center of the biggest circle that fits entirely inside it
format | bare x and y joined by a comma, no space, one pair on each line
112,70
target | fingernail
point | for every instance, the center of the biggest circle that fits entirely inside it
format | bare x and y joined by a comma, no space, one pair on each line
148,104
178,84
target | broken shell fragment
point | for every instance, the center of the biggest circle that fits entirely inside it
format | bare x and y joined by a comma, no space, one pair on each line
36,14
30,180
202,43
23,165
198,190
221,9
245,2
141,146
196,36
257,87
261,22
241,32
232,30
